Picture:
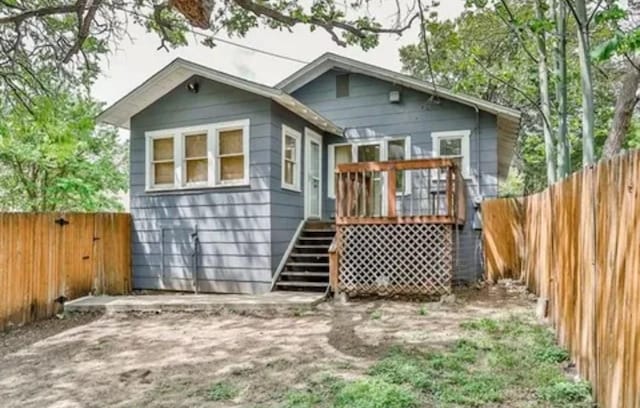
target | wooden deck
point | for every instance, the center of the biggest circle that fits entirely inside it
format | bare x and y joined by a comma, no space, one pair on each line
395,226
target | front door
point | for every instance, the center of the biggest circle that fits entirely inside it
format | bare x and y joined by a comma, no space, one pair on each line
313,175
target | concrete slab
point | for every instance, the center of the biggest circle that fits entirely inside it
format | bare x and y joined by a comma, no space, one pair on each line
273,301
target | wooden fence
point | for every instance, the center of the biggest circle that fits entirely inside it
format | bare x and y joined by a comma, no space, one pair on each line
46,256
577,245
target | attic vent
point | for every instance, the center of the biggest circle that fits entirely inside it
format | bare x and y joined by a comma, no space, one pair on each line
342,85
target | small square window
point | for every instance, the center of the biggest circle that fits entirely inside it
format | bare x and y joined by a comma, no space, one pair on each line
342,85
454,145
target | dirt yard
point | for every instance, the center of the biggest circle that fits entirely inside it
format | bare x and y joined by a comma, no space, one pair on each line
229,360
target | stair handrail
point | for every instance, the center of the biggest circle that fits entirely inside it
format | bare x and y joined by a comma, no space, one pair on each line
287,253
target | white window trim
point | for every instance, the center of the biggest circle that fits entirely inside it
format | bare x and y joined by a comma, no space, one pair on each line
309,135
288,131
464,135
384,155
226,126
179,134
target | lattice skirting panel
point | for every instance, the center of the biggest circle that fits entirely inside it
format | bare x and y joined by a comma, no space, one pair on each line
393,259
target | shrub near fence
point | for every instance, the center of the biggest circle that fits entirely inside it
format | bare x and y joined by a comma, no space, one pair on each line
577,245
46,256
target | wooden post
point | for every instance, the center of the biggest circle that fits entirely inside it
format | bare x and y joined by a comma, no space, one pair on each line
391,193
450,192
333,266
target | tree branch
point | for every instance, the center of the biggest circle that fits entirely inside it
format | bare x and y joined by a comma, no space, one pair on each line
514,29
425,42
41,12
329,26
533,102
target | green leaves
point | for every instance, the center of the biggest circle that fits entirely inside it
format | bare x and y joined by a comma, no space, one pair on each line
620,44
54,158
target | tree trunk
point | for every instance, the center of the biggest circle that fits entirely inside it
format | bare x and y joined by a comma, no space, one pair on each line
545,103
564,147
588,155
625,105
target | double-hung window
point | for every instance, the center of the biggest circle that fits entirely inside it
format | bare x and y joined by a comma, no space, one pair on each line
394,148
212,155
196,159
454,144
231,161
291,157
162,168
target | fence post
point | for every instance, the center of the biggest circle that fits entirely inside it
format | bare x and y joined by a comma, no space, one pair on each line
391,193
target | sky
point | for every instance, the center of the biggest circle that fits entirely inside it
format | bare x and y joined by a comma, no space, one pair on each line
137,60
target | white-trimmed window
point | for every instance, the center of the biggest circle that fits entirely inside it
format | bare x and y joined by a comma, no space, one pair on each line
393,148
196,159
162,158
291,158
454,144
213,155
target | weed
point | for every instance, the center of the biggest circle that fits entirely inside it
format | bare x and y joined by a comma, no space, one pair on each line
222,391
551,354
376,315
375,393
485,325
423,310
302,399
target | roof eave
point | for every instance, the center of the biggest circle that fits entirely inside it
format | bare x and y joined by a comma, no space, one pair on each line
119,114
303,76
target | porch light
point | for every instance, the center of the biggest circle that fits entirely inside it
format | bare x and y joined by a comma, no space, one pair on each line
193,86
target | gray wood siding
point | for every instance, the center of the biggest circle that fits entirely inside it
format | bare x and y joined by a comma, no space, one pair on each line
234,223
287,205
366,113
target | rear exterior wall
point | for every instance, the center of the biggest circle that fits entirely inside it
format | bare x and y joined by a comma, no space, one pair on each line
233,223
367,114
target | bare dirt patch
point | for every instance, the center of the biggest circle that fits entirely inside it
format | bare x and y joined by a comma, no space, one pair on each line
16,338
186,360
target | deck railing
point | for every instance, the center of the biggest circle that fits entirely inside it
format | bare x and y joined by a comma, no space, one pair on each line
400,192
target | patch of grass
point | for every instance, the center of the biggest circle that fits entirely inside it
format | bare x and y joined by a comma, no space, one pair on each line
563,393
302,399
318,393
222,391
401,367
376,315
471,389
507,362
375,393
485,325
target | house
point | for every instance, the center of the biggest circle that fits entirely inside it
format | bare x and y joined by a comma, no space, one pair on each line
227,175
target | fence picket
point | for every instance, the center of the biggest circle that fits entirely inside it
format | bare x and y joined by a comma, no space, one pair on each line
41,261
579,249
